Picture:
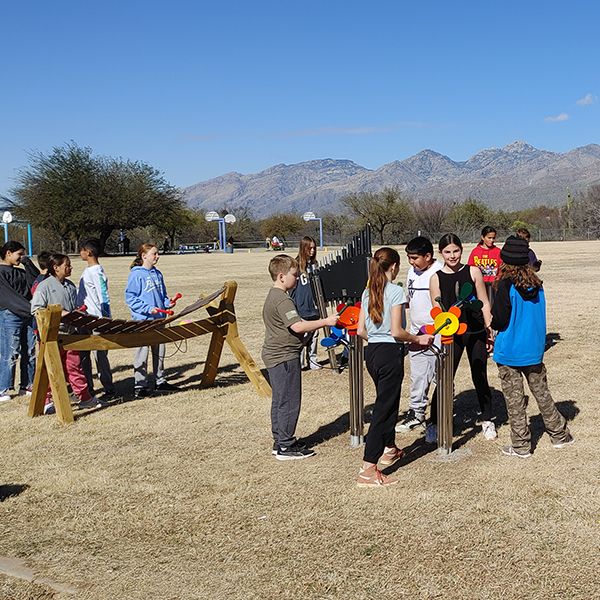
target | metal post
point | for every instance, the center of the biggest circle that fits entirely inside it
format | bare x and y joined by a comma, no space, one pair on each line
445,398
355,367
320,233
322,308
5,232
29,240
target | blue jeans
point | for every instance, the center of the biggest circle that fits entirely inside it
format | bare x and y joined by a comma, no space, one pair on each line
16,340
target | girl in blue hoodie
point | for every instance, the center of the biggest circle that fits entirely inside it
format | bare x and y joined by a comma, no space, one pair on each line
146,295
519,317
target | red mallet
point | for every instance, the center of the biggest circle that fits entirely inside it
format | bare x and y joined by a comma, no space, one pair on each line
164,311
175,298
82,308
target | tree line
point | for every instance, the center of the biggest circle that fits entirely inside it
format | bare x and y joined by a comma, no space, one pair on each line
70,193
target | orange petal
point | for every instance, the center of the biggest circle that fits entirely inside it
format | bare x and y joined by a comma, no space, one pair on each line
455,310
435,311
461,329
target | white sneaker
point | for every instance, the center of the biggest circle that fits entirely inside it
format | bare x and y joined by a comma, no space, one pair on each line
431,433
4,398
25,392
489,430
560,445
314,365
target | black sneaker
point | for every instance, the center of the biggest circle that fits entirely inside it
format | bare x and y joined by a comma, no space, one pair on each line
141,392
165,386
293,452
409,422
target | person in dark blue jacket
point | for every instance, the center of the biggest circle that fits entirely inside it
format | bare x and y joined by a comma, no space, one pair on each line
519,317
146,296
304,299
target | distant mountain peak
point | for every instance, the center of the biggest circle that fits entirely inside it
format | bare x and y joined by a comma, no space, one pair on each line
520,146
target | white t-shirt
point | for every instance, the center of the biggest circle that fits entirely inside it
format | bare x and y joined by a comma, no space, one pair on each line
93,291
393,295
419,300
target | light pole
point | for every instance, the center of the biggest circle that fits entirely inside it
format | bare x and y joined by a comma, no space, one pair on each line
310,216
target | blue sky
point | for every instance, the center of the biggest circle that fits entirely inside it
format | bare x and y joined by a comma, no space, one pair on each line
198,89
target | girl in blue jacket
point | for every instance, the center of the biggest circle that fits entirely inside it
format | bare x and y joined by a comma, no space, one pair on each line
519,316
146,295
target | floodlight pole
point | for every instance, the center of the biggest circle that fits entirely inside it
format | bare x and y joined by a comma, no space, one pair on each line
29,240
5,233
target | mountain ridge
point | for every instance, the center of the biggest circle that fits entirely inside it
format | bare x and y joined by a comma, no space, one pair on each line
517,175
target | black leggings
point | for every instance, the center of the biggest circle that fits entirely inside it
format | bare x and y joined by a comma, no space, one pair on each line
477,355
385,363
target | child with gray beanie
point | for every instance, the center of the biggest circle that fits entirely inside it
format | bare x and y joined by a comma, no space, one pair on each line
519,317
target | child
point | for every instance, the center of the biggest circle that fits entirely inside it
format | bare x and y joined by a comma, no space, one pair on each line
42,259
304,299
284,330
93,293
534,262
419,252
486,256
58,289
16,325
444,288
519,315
145,295
380,323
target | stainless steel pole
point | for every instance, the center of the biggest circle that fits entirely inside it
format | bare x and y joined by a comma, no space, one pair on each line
355,365
445,398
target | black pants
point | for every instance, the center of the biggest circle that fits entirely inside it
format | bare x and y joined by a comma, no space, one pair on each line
385,363
477,355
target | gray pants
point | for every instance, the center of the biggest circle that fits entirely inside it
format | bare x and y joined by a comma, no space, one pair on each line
514,394
286,386
140,365
422,375
103,367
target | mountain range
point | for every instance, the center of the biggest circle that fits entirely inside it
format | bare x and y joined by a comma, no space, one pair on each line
513,177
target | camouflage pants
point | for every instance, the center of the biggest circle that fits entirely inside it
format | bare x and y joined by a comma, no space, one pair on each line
514,394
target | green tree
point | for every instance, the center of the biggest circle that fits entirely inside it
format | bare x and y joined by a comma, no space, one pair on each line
281,225
466,218
387,212
74,194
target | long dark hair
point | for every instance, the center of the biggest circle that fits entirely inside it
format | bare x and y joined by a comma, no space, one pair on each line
304,258
10,246
55,260
447,239
382,260
487,229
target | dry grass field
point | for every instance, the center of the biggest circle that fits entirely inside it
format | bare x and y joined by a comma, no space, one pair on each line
178,497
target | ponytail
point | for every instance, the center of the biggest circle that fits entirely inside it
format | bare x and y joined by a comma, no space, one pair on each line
143,249
382,260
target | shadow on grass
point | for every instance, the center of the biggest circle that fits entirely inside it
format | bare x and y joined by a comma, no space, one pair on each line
12,489
567,408
551,340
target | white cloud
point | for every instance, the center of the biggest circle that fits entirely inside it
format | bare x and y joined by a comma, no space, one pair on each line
557,118
587,100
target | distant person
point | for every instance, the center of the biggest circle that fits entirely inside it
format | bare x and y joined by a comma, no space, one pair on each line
268,243
126,244
166,245
93,293
215,243
381,324
534,261
423,265
275,243
304,299
519,316
486,256
230,244
17,338
284,330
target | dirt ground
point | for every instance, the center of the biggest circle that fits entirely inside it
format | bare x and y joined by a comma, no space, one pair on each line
178,497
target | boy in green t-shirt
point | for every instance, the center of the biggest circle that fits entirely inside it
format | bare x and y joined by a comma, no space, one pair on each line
284,330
